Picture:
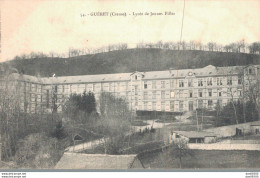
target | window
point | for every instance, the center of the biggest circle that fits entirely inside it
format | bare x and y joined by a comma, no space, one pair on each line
210,102
209,81
163,94
200,93
154,94
180,93
219,93
171,83
47,98
229,81
171,105
250,71
154,105
162,84
239,81
200,82
190,94
210,92
145,105
200,103
145,85
136,77
181,106
181,83
94,87
136,90
190,82
163,106
240,93
145,96
154,84
172,94
219,81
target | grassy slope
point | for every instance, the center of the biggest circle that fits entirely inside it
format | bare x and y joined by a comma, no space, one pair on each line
131,60
205,159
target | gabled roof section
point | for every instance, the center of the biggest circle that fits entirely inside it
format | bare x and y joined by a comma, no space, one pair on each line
95,161
207,71
88,78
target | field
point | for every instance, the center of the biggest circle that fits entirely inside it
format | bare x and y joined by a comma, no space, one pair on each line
202,159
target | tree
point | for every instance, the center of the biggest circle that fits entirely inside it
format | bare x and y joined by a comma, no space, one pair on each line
179,149
211,46
88,102
241,46
254,48
227,48
80,103
115,121
252,87
9,110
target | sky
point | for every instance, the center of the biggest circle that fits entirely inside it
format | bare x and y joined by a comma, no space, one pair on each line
55,26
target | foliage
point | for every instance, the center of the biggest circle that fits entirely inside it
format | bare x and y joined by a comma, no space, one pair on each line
226,114
80,106
179,149
114,121
38,151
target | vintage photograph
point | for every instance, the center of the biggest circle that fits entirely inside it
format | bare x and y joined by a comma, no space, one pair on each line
130,85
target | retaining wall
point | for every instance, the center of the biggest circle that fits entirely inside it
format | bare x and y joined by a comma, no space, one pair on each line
224,146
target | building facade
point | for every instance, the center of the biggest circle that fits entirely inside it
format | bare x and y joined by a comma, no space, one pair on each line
169,90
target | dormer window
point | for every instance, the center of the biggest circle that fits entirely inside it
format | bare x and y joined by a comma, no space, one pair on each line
136,77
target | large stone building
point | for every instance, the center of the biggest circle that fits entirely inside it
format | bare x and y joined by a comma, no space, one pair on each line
169,90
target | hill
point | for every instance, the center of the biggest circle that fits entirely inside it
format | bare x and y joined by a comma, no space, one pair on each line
130,60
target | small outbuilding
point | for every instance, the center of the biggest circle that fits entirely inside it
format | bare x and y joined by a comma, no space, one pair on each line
255,127
98,161
194,136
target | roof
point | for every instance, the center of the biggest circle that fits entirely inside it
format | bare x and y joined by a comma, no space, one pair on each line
207,71
95,161
89,78
195,134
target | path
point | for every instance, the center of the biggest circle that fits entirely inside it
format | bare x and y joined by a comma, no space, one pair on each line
85,146
151,124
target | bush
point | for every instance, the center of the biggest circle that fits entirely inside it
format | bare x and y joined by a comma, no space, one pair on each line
39,151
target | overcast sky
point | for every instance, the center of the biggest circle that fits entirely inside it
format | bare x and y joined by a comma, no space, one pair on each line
57,25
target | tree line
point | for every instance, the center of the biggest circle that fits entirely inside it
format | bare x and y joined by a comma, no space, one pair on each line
235,47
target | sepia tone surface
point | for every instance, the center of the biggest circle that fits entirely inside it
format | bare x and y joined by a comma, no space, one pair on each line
120,85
